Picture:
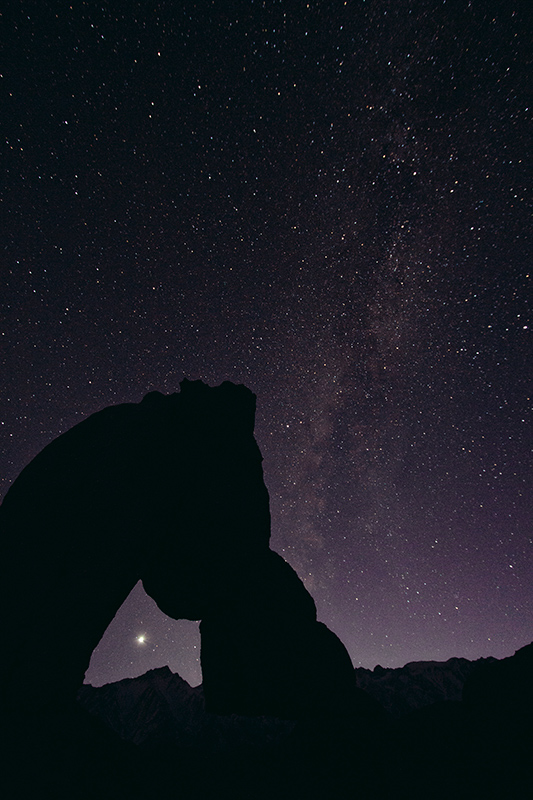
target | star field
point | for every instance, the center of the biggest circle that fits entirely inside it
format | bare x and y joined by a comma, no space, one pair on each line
328,202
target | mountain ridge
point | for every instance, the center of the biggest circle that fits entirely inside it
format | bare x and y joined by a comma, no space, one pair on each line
160,705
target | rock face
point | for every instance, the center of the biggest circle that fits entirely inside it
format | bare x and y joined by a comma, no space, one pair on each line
504,688
434,745
160,708
169,491
418,684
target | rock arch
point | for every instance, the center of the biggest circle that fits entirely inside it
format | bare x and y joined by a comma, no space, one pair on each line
169,491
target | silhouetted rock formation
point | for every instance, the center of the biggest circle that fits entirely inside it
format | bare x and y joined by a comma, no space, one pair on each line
437,747
171,491
418,684
498,703
503,688
188,752
160,708
265,650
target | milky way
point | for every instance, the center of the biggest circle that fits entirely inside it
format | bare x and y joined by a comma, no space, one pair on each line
326,202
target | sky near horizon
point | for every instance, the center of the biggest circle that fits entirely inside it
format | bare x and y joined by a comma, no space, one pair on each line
327,202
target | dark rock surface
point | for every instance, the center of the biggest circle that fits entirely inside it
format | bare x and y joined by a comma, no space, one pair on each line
170,491
498,706
477,748
266,652
205,755
418,684
160,708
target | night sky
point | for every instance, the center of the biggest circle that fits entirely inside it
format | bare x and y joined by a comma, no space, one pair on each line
327,202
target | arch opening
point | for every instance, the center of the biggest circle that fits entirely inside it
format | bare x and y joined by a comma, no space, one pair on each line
140,638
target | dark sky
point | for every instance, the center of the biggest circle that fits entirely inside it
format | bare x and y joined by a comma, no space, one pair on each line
326,201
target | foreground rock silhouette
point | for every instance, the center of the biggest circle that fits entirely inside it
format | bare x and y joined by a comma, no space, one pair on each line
169,491
461,729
